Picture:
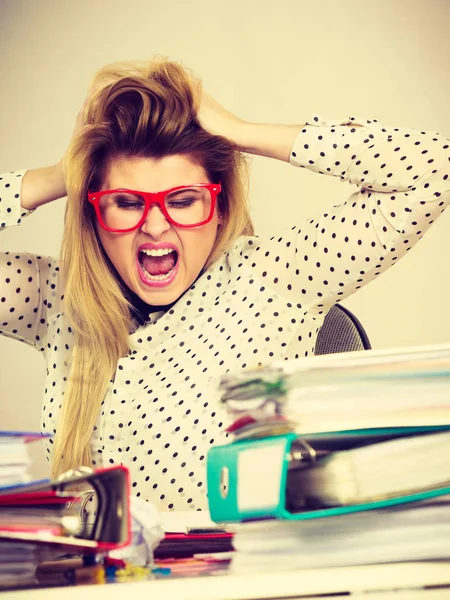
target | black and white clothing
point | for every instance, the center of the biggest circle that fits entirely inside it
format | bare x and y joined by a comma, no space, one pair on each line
264,299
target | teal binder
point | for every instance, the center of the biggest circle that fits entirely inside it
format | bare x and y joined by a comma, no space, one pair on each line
233,497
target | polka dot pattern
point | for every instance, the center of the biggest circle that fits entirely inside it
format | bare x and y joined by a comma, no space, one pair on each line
263,300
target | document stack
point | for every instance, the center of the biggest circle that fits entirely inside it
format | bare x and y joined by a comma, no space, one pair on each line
84,512
18,560
337,460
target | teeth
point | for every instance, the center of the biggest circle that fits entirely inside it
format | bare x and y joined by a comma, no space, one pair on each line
156,277
157,252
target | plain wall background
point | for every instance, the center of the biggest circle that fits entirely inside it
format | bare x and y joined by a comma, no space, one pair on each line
387,59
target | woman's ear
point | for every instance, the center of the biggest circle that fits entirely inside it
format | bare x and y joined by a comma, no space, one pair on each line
219,219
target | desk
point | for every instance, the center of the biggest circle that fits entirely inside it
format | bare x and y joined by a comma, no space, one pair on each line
383,581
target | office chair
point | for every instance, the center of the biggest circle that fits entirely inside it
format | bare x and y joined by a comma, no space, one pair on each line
341,332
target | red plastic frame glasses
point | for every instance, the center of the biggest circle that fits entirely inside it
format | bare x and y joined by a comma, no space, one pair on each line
155,198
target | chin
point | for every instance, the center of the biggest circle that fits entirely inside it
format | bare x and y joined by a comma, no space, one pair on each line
159,296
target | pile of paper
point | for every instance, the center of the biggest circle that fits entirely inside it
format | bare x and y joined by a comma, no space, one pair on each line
401,387
15,459
337,460
17,564
396,534
17,560
84,513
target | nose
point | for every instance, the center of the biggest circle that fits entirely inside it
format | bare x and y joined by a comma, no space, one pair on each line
155,223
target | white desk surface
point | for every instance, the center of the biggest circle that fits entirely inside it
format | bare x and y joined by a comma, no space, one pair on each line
378,579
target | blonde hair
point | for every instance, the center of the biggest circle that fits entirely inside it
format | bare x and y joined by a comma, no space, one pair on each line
145,110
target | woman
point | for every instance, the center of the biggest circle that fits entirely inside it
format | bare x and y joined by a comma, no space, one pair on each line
163,287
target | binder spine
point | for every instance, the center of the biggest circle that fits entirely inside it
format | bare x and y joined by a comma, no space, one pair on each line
247,479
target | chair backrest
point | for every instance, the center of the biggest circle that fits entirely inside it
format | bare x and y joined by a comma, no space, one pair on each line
341,332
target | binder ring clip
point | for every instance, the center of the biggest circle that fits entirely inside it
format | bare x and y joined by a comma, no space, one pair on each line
86,495
311,454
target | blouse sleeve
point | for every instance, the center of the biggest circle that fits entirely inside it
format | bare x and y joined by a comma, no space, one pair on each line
29,294
402,185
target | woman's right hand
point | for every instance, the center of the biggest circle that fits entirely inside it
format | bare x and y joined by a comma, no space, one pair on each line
46,184
272,141
43,185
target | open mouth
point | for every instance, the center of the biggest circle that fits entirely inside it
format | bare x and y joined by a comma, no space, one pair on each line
158,264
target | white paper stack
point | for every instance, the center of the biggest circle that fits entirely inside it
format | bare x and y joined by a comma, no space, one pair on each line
354,390
379,536
14,460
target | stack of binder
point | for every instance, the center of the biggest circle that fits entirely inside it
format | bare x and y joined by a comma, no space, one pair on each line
85,512
337,460
17,560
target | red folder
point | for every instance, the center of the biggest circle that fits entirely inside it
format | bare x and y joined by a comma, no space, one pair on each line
85,510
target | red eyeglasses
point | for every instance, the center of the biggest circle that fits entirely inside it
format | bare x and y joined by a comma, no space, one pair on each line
183,206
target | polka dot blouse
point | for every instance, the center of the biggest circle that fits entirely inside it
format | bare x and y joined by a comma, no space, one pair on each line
264,299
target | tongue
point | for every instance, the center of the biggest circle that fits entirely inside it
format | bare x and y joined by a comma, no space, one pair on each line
158,265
